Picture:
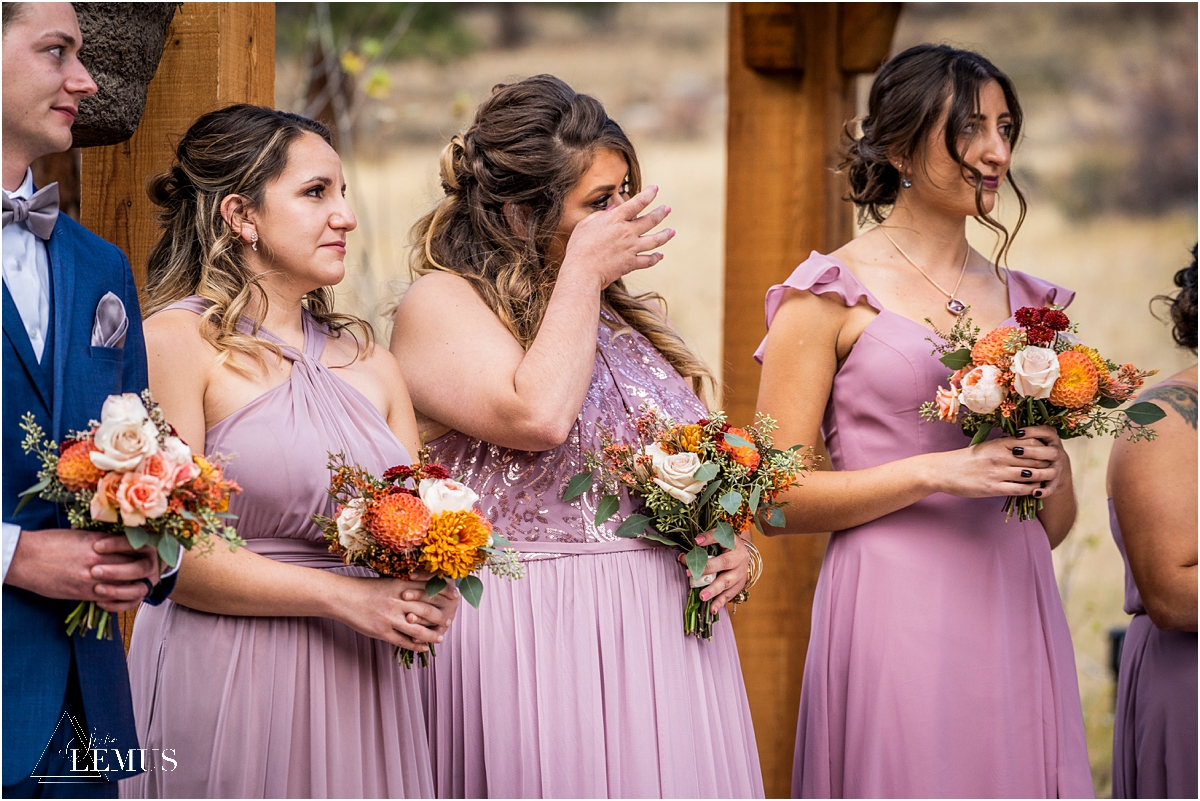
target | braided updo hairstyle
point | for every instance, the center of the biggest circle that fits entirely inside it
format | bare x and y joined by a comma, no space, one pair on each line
1183,306
237,150
908,97
506,179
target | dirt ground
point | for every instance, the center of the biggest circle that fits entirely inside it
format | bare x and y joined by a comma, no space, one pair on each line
660,70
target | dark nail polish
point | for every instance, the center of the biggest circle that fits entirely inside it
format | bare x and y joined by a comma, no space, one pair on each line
1026,474
1018,451
1037,493
1020,432
1044,483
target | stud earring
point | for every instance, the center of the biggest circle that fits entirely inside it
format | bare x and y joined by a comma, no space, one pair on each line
254,241
905,182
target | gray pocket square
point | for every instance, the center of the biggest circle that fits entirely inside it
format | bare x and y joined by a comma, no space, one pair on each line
111,323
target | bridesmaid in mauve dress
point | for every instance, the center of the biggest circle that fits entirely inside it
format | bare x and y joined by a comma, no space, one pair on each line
1153,515
939,662
270,672
576,681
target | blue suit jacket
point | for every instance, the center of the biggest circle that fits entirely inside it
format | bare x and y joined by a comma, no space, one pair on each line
64,393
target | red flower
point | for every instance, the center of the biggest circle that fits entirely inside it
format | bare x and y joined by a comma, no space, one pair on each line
1055,320
400,472
1039,335
436,471
1028,315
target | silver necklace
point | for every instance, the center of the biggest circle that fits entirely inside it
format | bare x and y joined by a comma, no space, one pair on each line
953,305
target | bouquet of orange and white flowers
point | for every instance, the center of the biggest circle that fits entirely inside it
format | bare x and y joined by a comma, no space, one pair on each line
130,474
1036,373
691,479
414,519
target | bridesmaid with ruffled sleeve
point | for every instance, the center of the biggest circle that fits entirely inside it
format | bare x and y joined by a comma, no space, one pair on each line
939,662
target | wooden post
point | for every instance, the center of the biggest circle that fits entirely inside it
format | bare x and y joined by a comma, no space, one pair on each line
791,89
217,54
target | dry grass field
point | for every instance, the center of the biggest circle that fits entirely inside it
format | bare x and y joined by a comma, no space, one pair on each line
659,68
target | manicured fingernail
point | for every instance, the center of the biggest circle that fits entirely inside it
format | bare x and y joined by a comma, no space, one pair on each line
1020,432
440,638
1037,493
1018,451
1026,474
703,597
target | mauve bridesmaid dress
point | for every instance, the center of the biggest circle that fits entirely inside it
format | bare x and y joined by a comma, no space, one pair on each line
577,681
939,662
1154,728
274,707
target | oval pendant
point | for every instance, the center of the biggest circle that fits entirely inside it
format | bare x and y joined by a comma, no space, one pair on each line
955,306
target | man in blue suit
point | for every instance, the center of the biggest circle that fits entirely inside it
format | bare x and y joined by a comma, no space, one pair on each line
72,336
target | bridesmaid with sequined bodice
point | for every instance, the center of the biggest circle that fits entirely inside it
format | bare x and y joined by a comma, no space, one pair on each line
939,662
576,681
270,673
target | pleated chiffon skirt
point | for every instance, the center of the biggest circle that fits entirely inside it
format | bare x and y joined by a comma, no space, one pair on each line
273,707
577,681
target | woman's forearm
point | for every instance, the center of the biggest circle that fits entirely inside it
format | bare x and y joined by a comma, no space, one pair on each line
1058,513
224,582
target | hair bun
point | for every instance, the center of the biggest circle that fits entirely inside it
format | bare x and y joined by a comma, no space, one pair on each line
452,164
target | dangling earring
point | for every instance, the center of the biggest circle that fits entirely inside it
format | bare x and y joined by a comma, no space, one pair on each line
905,182
254,241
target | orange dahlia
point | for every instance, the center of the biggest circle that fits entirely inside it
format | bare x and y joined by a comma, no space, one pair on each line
398,522
1077,381
1096,359
454,542
994,348
745,456
75,468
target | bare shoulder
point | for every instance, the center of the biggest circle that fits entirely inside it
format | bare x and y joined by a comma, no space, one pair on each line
1178,400
435,293
176,332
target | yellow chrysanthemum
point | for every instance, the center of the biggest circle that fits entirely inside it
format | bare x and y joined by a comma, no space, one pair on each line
454,542
690,437
1077,380
75,468
1096,359
992,347
398,522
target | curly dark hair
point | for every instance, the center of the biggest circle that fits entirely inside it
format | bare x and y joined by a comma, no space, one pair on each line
907,98
1183,306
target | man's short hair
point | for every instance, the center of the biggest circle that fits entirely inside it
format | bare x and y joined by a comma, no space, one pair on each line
10,13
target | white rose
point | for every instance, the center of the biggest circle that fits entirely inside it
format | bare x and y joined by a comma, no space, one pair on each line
444,495
981,389
177,450
675,471
351,533
1034,372
126,435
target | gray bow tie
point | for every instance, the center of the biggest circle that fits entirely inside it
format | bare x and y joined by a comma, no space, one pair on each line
39,213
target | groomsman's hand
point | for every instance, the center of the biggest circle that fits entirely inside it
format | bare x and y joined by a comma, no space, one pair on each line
82,566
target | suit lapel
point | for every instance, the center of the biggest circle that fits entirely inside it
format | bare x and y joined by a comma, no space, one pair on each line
14,329
62,281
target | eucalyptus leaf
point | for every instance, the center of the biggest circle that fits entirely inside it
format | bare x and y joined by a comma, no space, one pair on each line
706,496
696,559
632,526
706,472
731,502
724,535
472,590
775,517
1144,413
958,359
607,507
1109,403
434,586
137,536
735,441
31,493
227,516
579,484
755,494
651,534
982,433
500,541
168,550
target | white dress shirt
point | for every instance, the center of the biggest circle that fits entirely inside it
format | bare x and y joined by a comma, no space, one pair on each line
27,276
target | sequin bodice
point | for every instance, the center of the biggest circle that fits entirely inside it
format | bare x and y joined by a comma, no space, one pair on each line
520,491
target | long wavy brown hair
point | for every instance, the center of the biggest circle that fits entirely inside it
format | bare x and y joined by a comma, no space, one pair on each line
237,150
529,145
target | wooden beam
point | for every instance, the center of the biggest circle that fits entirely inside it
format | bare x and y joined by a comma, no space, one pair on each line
783,200
865,35
217,54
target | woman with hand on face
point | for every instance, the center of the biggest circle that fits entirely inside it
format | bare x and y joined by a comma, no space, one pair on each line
1152,508
520,341
270,673
939,663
